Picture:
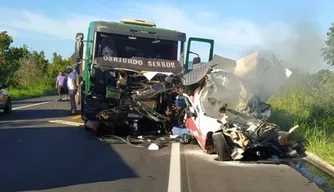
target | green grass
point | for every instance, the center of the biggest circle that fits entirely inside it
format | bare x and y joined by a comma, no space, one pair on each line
313,112
31,91
320,139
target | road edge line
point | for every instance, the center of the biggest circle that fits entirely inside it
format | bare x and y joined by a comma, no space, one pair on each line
63,122
174,180
31,105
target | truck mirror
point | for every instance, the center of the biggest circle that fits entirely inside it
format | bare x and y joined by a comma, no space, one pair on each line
79,45
196,60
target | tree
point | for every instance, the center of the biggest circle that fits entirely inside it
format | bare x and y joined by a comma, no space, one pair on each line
328,51
22,67
29,72
6,57
57,64
5,41
42,62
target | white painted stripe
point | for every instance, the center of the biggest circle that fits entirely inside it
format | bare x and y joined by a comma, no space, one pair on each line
32,105
66,122
174,181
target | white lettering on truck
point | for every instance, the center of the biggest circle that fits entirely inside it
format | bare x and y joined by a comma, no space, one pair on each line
161,64
150,63
123,60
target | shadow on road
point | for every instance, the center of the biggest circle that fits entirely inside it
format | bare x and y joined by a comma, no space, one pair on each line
44,158
21,124
33,100
29,114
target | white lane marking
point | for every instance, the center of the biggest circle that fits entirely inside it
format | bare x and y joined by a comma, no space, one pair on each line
32,105
174,181
66,122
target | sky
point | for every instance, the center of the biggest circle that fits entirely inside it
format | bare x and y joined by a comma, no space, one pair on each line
295,30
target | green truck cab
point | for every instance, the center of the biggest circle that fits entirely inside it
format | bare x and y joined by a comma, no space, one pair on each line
118,58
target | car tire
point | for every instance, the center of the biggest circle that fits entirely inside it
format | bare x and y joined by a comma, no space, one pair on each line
221,146
99,132
8,106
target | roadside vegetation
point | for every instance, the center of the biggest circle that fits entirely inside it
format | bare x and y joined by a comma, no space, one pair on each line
308,100
26,72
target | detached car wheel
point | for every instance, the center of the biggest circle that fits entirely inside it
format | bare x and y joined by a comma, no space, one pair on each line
221,146
8,107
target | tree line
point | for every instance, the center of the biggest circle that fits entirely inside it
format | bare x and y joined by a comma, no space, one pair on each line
21,67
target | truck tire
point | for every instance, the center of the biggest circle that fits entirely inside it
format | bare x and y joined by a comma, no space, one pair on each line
86,128
221,146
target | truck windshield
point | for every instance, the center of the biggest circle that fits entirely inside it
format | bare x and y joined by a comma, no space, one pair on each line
122,46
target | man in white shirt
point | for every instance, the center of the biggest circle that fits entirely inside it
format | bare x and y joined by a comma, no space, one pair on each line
72,88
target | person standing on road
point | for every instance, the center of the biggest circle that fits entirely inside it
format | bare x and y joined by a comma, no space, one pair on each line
60,85
66,88
72,88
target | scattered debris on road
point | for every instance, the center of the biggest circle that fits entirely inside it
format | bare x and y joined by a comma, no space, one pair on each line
153,146
179,131
152,142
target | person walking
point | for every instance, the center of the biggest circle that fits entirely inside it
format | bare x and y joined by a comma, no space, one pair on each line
72,89
60,85
66,88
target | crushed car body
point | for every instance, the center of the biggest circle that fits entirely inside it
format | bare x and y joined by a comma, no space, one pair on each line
227,113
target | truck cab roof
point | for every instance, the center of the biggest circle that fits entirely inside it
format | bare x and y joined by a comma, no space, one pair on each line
146,29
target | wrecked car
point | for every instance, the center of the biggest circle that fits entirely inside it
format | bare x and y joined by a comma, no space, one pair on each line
129,76
226,114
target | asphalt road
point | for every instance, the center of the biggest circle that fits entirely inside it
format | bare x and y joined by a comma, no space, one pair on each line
39,155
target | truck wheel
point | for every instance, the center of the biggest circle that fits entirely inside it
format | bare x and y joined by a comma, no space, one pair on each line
86,128
100,131
8,107
221,146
